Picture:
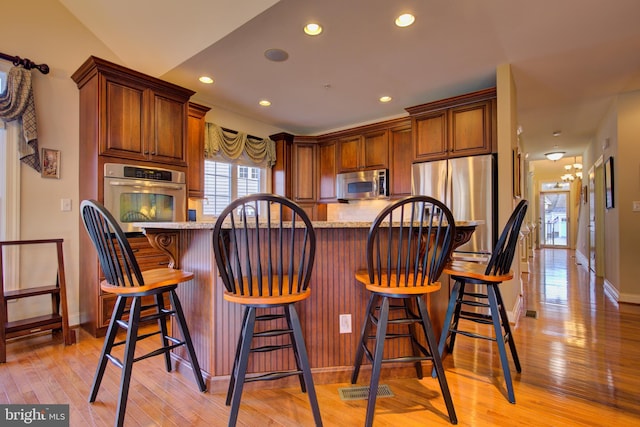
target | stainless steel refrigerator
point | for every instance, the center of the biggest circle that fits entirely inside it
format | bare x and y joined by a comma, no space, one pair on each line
467,186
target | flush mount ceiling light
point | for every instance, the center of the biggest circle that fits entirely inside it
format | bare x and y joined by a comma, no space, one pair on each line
312,29
264,102
405,20
385,98
554,155
276,55
206,79
557,133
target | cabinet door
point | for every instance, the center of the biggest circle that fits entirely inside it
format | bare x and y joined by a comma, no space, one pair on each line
166,142
281,172
123,120
195,150
470,129
430,136
400,158
304,172
375,148
349,154
327,171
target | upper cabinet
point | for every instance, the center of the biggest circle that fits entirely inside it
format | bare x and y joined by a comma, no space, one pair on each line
281,172
136,117
400,159
363,151
195,149
327,171
304,170
460,126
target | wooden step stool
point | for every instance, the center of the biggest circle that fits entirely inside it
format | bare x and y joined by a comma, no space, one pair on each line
57,320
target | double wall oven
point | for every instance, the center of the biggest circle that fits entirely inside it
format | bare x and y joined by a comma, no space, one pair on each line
144,194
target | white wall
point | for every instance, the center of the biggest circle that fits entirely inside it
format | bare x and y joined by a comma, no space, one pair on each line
627,190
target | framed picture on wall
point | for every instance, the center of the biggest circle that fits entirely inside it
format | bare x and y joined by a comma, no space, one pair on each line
517,173
50,163
608,183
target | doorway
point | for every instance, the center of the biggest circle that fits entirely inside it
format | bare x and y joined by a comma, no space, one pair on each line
554,211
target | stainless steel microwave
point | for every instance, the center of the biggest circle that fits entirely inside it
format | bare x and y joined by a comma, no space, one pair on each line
363,185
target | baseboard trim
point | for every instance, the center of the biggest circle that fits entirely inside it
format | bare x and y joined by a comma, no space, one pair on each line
611,291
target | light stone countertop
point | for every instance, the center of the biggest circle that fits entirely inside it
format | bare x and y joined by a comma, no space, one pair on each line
208,225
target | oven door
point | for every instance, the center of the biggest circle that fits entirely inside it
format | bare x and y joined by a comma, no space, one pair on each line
133,200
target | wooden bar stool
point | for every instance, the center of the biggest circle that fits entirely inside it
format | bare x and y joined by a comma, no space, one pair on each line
407,246
124,279
265,264
486,307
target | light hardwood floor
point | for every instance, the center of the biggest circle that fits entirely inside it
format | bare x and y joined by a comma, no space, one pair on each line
579,368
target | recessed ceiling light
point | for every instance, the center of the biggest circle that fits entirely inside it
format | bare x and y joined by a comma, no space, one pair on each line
276,55
405,20
264,102
385,98
205,79
312,29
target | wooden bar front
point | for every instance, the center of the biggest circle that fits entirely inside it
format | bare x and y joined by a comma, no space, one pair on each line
215,324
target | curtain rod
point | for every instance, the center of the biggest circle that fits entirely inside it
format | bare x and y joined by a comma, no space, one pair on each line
26,63
235,132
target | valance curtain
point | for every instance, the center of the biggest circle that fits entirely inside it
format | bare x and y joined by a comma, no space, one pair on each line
17,103
233,146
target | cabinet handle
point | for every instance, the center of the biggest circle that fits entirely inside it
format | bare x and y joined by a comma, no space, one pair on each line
153,153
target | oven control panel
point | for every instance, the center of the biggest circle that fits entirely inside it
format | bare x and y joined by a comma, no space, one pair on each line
142,173
118,170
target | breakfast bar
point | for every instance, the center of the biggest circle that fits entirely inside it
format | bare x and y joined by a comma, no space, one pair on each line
215,324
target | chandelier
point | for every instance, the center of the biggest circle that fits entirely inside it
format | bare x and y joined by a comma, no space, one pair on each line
573,171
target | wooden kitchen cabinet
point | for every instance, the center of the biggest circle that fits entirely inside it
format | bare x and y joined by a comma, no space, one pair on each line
195,149
304,171
125,117
455,127
430,136
400,158
138,117
327,171
470,129
281,172
363,151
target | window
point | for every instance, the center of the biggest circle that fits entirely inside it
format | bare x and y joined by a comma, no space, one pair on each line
224,182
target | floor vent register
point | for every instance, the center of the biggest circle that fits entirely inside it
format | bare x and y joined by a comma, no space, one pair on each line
362,392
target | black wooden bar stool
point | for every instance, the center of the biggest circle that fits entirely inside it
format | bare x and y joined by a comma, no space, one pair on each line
124,279
407,246
265,264
468,301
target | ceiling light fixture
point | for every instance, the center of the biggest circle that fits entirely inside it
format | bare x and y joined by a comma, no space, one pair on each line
205,79
405,20
385,98
557,133
264,103
554,155
576,174
312,29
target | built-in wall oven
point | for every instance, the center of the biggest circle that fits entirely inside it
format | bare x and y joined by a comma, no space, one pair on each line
144,194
